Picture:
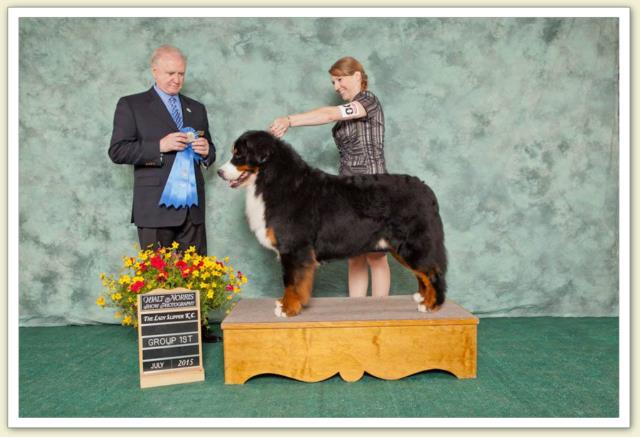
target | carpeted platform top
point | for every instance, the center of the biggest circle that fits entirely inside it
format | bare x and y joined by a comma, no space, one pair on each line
346,311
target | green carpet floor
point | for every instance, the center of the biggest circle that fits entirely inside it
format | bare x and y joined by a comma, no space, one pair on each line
527,367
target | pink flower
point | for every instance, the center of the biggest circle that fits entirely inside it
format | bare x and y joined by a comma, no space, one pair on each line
229,287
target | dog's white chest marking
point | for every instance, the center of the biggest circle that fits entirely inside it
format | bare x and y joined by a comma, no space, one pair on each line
254,209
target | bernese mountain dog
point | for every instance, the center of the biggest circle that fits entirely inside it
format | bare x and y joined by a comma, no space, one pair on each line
308,216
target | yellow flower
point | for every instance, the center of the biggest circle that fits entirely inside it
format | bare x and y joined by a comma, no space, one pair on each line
143,256
191,249
117,315
210,294
102,276
195,274
208,263
124,279
205,275
232,277
127,261
186,257
100,301
204,285
137,278
244,279
236,289
116,296
175,245
130,299
226,259
127,320
229,297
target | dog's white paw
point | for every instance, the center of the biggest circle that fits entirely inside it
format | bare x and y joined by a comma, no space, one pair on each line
417,297
278,310
423,309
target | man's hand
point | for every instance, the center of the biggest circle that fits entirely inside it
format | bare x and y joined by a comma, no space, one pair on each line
173,142
201,146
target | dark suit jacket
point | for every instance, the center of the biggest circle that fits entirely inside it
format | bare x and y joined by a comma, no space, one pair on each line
140,122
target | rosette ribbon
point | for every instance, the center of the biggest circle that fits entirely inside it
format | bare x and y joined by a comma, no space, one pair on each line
180,190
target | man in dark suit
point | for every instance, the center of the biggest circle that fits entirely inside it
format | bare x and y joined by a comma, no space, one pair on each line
146,134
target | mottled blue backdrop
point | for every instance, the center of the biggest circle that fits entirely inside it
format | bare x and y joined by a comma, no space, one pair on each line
512,121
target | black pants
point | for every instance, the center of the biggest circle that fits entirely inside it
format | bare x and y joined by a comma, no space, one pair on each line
187,234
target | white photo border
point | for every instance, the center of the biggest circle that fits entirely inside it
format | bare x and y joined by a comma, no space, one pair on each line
623,421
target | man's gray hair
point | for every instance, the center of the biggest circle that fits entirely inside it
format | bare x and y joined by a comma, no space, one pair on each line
166,49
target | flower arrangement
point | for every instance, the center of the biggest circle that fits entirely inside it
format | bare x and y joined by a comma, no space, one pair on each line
167,268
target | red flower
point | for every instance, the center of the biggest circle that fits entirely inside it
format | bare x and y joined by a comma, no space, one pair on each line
181,264
162,276
229,287
157,262
143,267
185,272
136,286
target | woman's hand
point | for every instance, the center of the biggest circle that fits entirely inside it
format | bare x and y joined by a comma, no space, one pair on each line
280,126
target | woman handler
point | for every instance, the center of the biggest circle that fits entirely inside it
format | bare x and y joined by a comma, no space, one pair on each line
359,135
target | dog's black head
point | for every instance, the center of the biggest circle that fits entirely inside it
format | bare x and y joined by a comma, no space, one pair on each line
251,151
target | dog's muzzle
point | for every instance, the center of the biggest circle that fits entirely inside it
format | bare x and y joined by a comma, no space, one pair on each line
229,173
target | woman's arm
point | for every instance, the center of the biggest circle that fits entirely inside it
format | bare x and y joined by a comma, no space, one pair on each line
324,115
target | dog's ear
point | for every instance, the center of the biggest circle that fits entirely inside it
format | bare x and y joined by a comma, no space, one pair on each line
266,145
263,155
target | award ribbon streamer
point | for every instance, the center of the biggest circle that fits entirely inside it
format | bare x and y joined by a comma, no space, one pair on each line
180,190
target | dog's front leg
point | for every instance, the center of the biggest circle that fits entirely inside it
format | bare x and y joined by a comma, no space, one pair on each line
297,274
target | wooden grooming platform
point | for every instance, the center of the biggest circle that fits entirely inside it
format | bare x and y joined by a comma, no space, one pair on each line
385,337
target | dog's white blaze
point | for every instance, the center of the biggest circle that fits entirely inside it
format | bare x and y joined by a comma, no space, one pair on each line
230,172
254,209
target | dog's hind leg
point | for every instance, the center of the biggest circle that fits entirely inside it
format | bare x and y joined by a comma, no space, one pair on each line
431,285
298,273
427,296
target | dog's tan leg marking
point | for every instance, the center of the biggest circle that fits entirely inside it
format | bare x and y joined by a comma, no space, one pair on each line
304,283
427,291
426,295
289,305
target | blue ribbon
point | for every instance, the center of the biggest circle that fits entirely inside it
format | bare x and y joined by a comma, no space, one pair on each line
180,190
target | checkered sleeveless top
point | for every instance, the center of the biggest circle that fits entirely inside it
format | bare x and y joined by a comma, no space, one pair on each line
361,141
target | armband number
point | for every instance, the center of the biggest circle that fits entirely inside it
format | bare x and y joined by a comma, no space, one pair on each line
348,110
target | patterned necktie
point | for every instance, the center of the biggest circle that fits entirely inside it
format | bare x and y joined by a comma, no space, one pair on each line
175,113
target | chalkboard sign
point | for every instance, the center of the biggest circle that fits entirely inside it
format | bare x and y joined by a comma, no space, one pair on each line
170,347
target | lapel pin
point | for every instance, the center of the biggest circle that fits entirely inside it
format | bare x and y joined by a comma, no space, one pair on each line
188,110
